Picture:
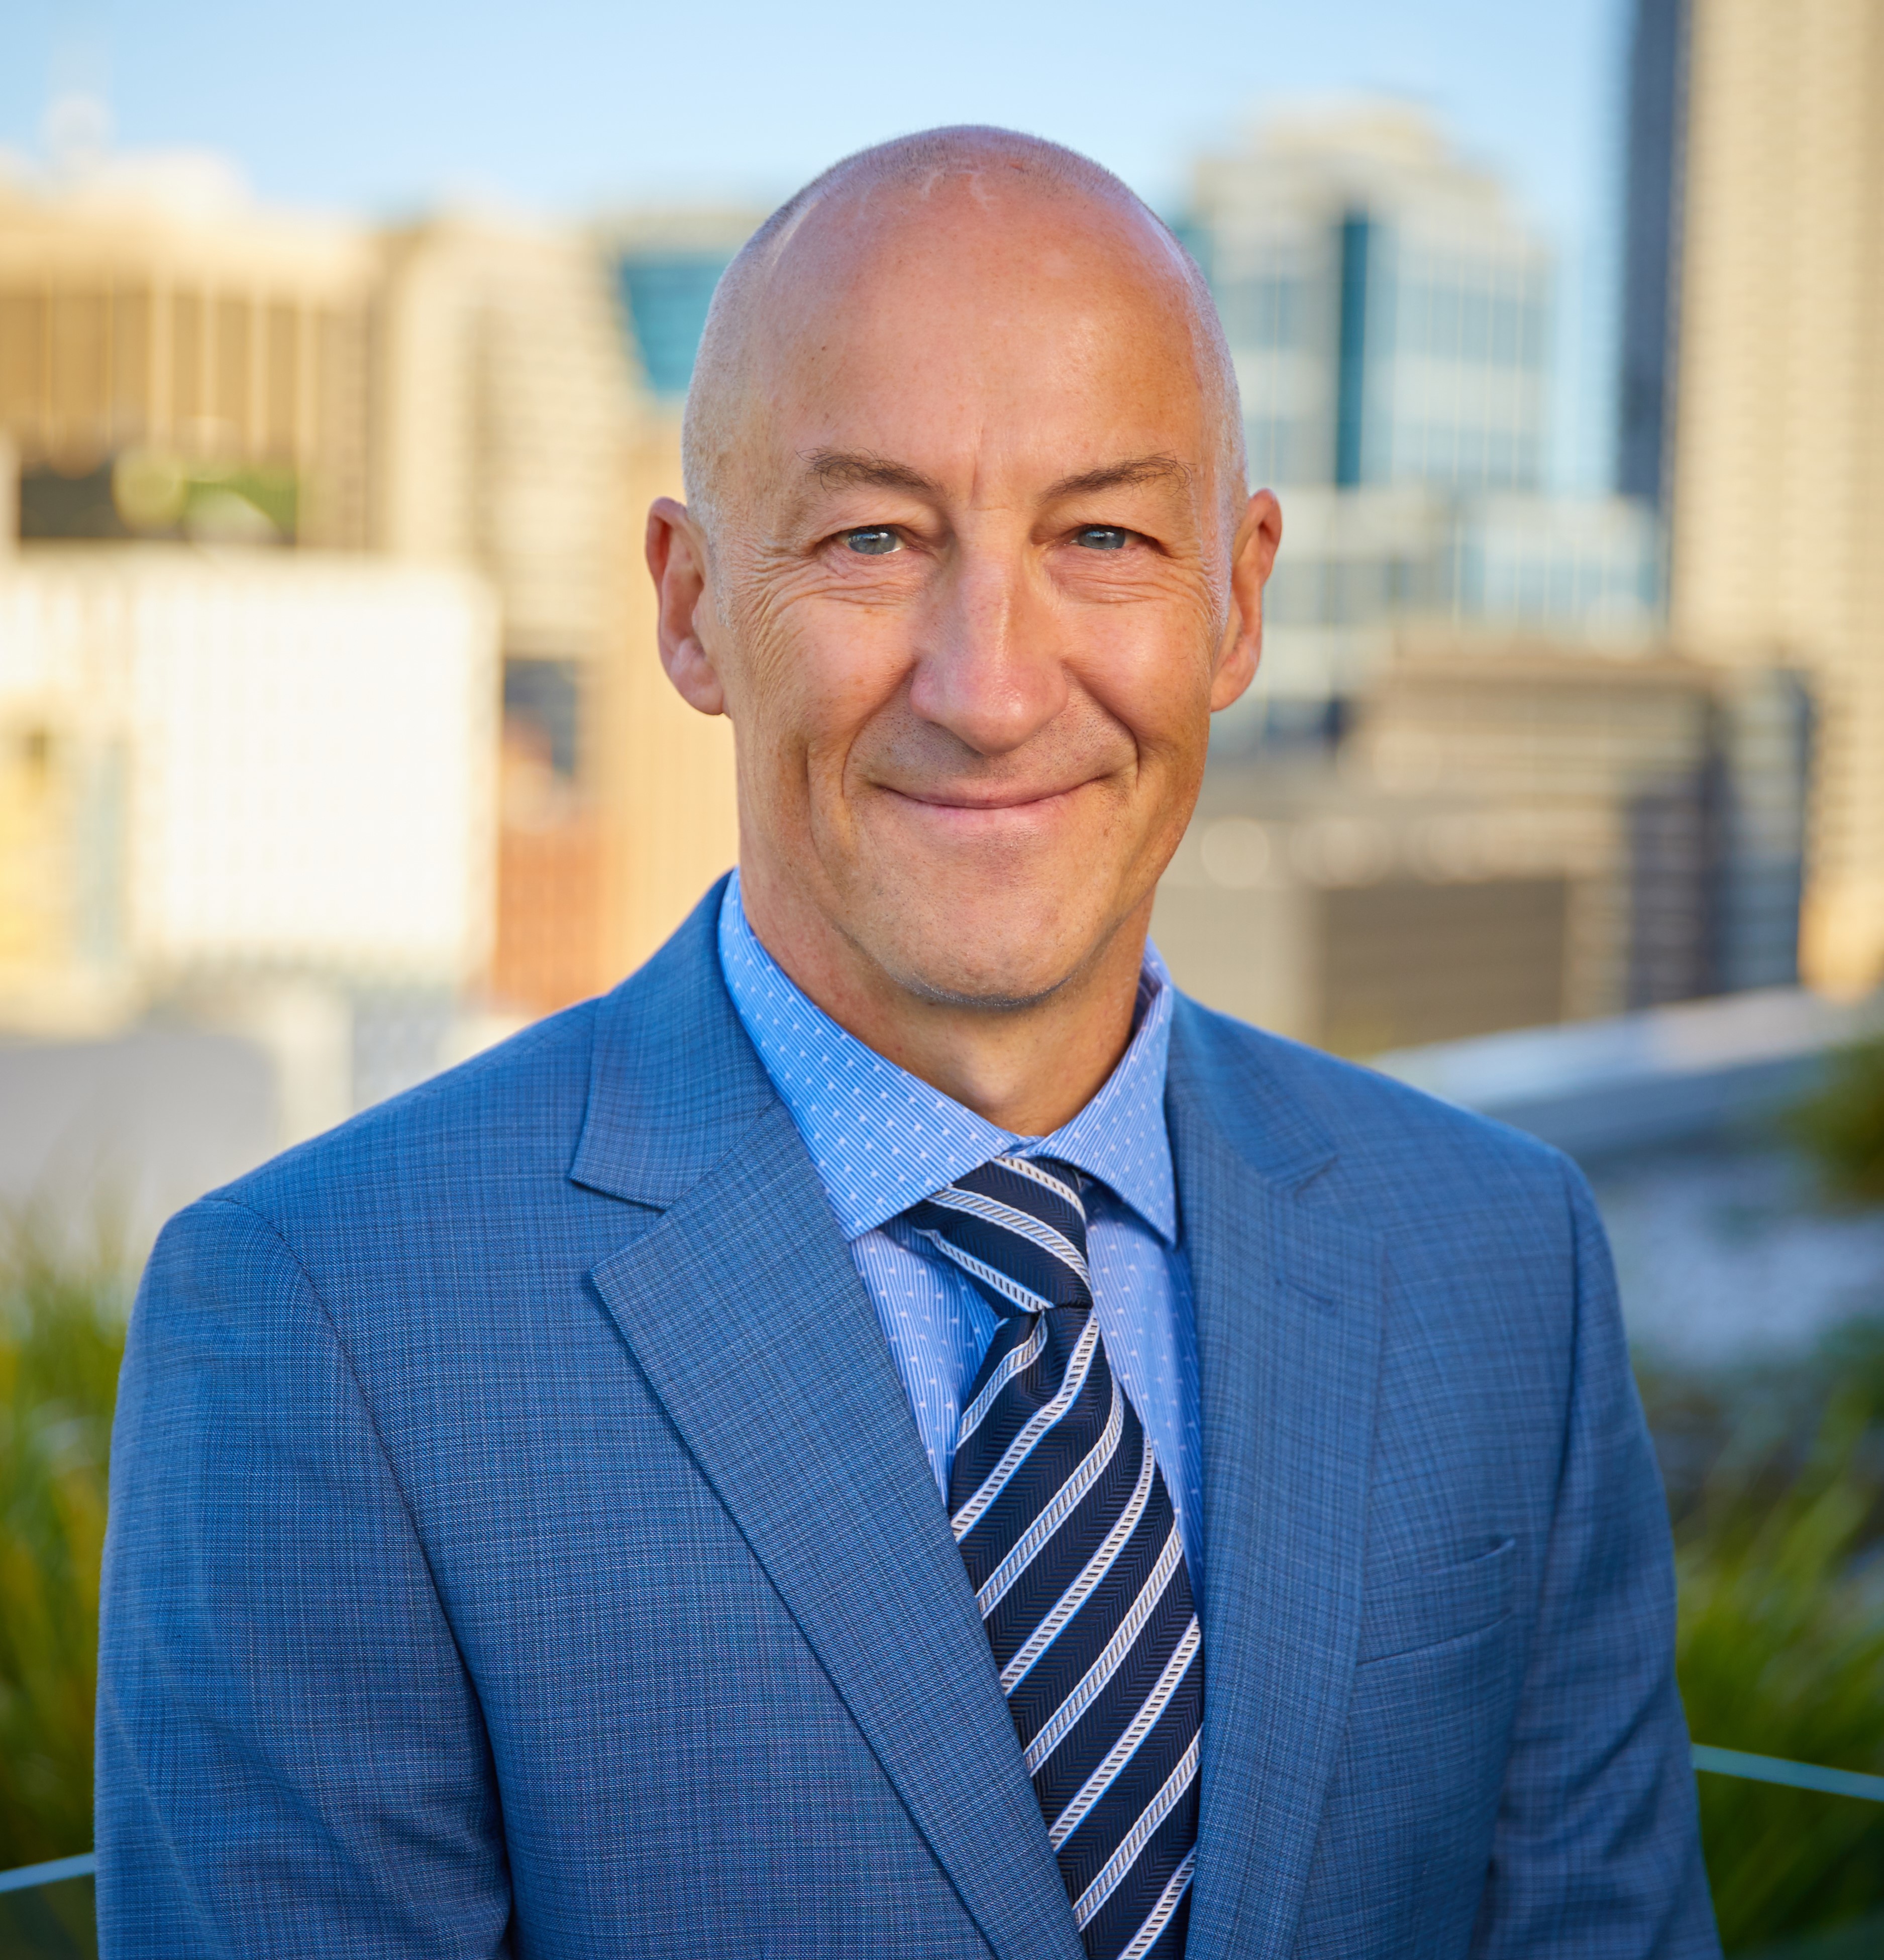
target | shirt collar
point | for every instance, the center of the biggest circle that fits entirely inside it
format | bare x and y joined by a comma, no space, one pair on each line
881,1138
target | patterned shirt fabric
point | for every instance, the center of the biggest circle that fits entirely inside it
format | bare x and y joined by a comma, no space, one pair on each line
882,1139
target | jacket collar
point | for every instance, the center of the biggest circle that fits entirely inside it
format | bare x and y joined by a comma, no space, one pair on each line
673,1082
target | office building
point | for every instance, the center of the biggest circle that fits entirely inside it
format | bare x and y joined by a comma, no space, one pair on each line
520,435
173,364
1679,788
1389,311
251,790
1778,452
1510,832
1339,912
194,391
271,761
505,399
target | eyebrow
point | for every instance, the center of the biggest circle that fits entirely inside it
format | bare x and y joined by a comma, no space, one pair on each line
844,469
1123,475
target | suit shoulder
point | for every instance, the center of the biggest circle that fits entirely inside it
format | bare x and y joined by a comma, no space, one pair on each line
1375,1126
518,1107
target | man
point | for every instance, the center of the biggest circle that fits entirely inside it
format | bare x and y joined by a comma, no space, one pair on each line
893,1433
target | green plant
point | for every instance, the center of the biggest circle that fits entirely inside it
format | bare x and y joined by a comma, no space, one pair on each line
61,1337
1842,1126
1781,1654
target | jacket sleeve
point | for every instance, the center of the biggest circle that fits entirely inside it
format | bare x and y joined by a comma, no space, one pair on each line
291,1756
1597,1850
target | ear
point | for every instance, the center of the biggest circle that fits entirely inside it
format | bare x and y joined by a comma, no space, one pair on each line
677,561
1252,559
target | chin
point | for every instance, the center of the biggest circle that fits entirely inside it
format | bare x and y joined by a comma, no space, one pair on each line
964,957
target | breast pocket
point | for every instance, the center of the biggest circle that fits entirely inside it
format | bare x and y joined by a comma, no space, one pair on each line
1428,1607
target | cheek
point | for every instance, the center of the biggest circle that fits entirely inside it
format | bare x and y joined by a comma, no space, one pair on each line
817,673
1150,671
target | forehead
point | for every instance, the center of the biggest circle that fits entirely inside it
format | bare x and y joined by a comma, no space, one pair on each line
979,330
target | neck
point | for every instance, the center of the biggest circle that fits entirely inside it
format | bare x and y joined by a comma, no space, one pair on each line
1027,1069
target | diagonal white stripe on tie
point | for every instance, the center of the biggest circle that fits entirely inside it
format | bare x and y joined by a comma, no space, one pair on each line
1061,1188
1053,1732
1027,1547
1075,1596
1037,1426
1021,1224
1122,1861
1142,1942
1102,1778
1016,1361
1004,1283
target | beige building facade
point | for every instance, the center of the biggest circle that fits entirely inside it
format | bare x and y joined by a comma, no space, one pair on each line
132,321
193,392
1512,833
1778,446
242,785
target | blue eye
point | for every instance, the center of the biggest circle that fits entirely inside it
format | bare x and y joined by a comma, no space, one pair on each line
873,541
1102,537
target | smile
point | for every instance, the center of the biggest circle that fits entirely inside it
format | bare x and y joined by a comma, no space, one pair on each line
990,804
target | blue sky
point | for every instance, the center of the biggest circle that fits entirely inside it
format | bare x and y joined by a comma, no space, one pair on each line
568,105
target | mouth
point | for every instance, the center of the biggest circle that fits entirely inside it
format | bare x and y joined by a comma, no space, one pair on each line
985,802
1003,820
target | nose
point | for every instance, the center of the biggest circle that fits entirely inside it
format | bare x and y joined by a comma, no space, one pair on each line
991,670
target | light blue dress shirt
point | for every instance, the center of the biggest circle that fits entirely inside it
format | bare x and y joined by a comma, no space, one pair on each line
881,1139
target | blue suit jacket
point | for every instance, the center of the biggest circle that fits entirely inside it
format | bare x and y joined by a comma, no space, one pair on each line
520,1541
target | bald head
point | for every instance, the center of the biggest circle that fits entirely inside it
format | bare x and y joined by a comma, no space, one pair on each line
978,205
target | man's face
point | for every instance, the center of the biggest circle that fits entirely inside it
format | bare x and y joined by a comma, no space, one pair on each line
970,606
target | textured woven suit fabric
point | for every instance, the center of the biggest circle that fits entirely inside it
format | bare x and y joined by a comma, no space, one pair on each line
520,1542
1057,1503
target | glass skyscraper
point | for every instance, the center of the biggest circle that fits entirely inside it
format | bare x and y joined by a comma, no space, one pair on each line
666,263
667,292
1389,312
1651,242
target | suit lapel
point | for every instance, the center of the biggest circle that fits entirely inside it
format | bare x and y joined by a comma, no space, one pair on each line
748,1319
1288,1304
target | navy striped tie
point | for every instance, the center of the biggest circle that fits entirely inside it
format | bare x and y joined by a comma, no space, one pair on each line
1067,1531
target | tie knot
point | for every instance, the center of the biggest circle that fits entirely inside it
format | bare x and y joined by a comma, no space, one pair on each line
1016,1226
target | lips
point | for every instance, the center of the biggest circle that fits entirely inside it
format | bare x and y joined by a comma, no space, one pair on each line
978,803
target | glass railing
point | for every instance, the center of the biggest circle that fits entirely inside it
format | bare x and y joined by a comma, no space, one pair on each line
1794,1776
45,1910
